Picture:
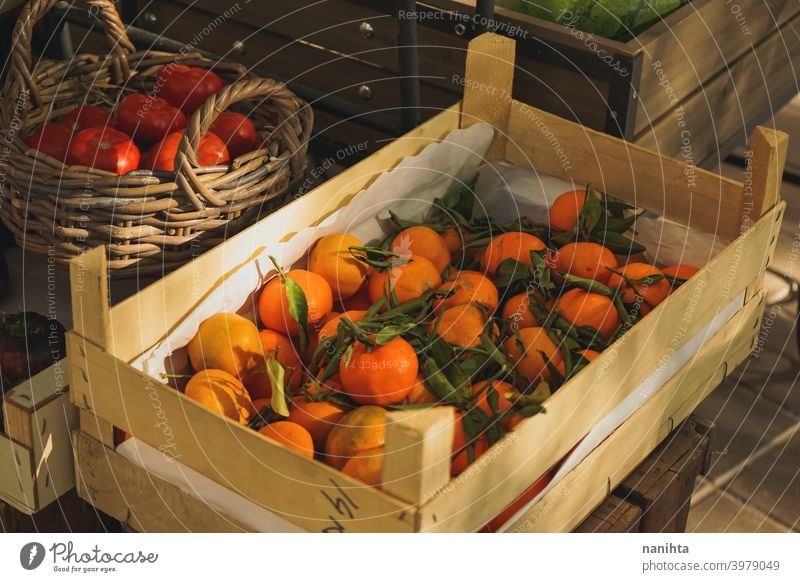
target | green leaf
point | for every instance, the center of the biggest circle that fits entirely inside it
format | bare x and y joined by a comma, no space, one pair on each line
276,375
619,225
298,309
462,198
510,272
438,383
541,393
475,422
390,332
588,285
617,243
591,213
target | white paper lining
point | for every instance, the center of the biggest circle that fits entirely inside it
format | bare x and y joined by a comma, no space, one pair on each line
504,191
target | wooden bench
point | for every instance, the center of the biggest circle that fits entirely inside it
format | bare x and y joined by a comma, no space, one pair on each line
656,497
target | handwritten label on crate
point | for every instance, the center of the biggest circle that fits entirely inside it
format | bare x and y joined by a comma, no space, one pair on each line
344,506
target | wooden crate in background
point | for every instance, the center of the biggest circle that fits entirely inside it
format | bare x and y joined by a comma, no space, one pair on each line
695,83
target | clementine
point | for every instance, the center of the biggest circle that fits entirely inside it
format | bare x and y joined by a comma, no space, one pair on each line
280,347
366,467
422,241
290,435
526,352
318,418
469,287
566,209
407,281
332,260
226,341
585,309
646,294
584,259
462,325
379,375
510,245
360,430
221,392
273,304
518,313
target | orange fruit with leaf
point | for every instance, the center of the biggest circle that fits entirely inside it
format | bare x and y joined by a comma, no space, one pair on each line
274,304
517,311
584,259
469,287
464,448
280,347
332,259
504,394
461,325
510,245
381,374
422,241
530,349
408,280
641,284
586,309
565,210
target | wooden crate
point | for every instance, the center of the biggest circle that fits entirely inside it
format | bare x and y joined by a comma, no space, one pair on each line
112,393
36,464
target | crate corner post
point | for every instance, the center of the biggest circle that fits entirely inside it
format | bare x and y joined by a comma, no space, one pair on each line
88,275
488,82
417,453
768,149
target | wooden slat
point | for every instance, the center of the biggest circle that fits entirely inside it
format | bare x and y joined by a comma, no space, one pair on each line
300,490
488,81
691,196
588,397
586,486
142,319
97,428
752,88
137,498
696,43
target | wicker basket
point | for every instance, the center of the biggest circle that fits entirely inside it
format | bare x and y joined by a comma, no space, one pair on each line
151,222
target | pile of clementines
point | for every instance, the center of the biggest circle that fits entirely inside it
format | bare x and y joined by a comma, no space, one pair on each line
457,311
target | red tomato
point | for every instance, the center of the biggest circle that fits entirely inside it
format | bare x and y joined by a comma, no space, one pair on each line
86,116
148,118
212,152
238,132
187,87
50,139
104,148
